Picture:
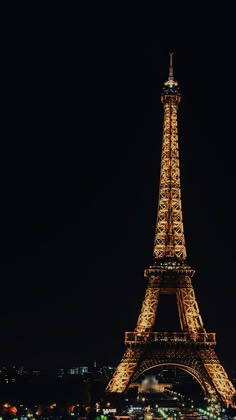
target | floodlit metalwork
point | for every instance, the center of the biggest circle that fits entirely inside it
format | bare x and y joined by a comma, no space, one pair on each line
169,238
192,349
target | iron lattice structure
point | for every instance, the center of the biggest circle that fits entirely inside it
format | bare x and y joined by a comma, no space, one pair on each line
192,349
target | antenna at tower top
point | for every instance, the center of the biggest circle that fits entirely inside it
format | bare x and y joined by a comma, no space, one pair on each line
171,67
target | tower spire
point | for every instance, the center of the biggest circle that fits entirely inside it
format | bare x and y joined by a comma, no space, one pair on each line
171,73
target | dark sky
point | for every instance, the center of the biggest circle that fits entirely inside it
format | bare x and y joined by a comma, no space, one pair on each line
81,130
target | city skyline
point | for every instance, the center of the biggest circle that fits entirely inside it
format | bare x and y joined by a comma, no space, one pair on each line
81,130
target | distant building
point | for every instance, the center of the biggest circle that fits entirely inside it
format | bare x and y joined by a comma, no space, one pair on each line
83,370
73,371
151,384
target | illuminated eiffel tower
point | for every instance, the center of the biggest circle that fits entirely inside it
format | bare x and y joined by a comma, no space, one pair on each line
192,349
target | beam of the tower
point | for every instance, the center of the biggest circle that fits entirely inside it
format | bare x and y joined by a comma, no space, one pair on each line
169,241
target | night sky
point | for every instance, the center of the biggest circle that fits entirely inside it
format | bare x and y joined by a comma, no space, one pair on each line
81,130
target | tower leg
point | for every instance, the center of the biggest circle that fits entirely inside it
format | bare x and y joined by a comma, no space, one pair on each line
219,378
124,371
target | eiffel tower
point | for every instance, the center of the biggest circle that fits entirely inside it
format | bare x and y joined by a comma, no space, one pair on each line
193,348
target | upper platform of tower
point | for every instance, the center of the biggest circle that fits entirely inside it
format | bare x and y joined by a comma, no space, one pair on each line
171,86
